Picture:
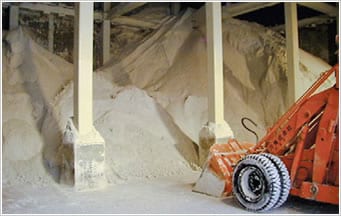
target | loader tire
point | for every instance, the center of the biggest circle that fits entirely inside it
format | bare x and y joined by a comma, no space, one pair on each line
284,177
256,183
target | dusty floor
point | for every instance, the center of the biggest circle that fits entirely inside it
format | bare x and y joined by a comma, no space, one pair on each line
168,195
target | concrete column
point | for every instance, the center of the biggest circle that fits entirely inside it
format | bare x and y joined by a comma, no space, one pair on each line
83,62
106,6
105,55
216,130
215,63
175,8
13,17
51,32
291,35
88,145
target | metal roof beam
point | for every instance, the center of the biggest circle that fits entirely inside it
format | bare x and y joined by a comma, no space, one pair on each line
129,21
61,11
123,8
48,8
233,10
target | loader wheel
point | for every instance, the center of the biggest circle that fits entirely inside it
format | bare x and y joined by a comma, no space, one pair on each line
284,177
256,183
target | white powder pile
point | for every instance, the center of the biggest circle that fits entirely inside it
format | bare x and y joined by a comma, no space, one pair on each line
150,106
172,68
31,78
141,139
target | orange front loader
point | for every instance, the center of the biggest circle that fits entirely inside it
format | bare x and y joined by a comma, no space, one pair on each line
298,155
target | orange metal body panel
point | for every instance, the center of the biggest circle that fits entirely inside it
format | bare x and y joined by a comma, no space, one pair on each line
318,192
306,138
224,157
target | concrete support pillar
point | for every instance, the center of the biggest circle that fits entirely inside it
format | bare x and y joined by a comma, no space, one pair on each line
291,35
51,32
105,36
215,63
83,62
216,130
88,145
13,17
106,6
175,8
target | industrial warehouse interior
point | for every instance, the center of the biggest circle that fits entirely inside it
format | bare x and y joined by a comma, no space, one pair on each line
170,108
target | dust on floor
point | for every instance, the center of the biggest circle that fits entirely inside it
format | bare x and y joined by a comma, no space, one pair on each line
169,195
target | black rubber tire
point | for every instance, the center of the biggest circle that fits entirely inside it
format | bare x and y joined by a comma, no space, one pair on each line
256,183
284,177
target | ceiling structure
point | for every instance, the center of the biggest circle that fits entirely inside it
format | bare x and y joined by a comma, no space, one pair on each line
270,14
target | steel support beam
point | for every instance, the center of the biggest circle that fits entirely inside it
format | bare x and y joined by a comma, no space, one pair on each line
233,10
125,20
124,8
48,8
61,11
291,35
